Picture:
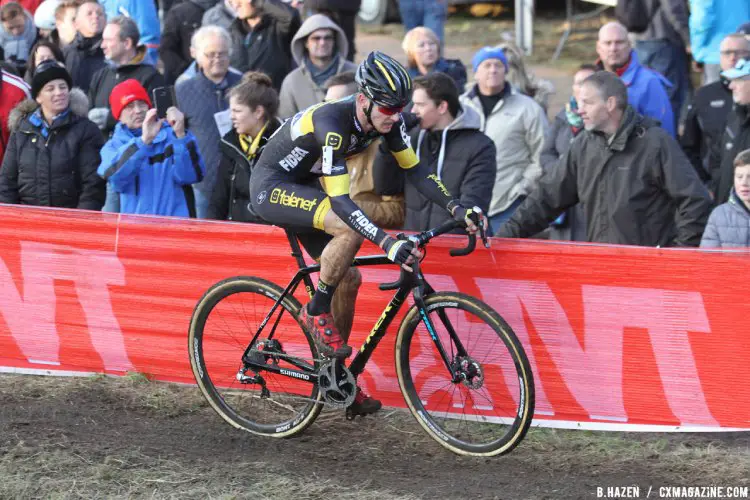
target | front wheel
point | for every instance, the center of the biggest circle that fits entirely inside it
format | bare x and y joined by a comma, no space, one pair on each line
486,409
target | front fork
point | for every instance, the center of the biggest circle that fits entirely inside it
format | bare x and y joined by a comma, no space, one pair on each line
422,290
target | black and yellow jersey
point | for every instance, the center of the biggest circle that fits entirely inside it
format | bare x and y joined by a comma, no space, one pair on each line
316,143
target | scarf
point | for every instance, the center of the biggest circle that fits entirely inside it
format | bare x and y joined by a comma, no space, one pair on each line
571,114
249,145
319,76
37,120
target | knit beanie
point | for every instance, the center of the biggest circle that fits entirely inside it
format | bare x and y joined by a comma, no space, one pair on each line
124,93
488,53
46,72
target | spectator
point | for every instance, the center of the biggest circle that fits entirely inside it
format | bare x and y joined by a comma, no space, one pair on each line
262,38
424,56
538,89
428,13
571,225
736,135
13,90
17,35
222,14
147,161
43,50
710,22
372,185
44,18
707,114
635,183
729,223
179,25
84,56
450,142
663,48
646,88
319,49
517,126
344,14
206,93
65,25
253,104
143,12
125,60
53,150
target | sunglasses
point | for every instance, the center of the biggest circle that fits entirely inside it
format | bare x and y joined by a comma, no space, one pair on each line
389,111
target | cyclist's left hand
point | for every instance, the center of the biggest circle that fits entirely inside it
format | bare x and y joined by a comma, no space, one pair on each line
472,218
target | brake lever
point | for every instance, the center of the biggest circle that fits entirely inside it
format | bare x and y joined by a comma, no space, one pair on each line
483,235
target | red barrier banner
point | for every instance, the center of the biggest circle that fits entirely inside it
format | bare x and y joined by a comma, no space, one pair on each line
621,338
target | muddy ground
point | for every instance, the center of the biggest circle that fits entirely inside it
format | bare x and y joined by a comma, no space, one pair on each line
131,438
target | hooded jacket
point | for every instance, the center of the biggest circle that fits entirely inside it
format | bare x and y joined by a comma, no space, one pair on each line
463,158
736,138
150,177
517,125
647,92
712,20
267,47
107,78
83,58
17,48
704,126
53,166
230,199
220,14
299,91
728,226
637,188
180,23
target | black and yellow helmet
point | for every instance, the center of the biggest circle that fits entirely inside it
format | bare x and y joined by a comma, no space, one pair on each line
384,81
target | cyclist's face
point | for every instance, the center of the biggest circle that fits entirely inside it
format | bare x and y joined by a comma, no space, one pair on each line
384,122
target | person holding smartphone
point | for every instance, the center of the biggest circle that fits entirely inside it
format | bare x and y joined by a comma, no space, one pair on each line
150,161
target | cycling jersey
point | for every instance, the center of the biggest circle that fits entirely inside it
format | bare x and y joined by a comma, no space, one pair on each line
315,144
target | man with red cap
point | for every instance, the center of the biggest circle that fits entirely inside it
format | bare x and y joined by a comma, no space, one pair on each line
151,162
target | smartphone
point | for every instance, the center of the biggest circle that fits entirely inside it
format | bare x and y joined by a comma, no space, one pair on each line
163,98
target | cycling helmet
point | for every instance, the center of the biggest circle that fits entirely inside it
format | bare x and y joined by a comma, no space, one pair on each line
384,81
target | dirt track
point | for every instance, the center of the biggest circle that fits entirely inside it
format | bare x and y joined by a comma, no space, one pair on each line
84,438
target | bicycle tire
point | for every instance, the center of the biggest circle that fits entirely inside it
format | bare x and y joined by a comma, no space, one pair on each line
420,367
217,377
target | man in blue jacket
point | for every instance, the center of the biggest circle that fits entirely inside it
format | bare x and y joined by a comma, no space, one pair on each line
149,162
647,89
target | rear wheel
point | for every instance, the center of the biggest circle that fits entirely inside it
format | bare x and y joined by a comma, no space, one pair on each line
224,322
489,409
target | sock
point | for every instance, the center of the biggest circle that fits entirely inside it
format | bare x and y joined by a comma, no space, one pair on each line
321,301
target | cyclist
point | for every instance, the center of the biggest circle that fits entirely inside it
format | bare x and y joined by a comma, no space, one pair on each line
301,181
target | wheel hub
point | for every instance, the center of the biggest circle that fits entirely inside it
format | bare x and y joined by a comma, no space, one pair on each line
468,371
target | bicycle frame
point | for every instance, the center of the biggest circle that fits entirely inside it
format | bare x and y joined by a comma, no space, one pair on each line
409,281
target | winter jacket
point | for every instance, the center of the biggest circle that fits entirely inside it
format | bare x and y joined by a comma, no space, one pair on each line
16,49
145,16
13,90
180,23
199,99
704,125
150,177
53,166
710,22
230,199
463,158
192,71
559,138
220,14
267,47
736,138
517,126
299,91
728,225
637,188
451,67
647,92
83,58
351,6
669,21
109,76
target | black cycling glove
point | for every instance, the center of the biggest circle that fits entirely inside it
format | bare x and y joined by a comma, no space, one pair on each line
398,251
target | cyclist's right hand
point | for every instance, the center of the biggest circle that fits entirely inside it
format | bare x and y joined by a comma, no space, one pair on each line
402,252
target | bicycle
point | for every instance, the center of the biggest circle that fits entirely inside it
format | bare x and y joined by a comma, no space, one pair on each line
275,383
